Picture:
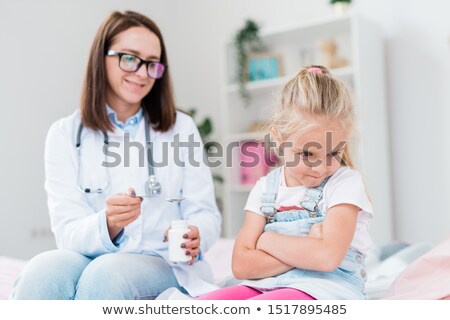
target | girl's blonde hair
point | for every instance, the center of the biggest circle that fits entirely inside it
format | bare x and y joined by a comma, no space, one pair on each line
313,92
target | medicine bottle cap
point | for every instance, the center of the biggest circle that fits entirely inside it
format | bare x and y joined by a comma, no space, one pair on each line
179,224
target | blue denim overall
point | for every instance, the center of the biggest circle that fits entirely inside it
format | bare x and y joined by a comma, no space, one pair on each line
346,282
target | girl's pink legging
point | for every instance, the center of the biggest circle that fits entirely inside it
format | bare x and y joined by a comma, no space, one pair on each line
247,293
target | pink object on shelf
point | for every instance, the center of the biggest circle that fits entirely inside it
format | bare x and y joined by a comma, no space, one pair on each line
254,162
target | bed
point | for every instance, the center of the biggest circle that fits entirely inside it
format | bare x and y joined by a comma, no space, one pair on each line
219,256
384,264
9,270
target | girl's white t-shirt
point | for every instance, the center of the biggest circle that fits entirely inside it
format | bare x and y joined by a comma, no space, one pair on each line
344,186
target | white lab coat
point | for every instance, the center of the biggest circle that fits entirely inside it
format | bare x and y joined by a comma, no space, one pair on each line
78,220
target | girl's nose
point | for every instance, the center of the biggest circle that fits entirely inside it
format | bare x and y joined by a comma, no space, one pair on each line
319,167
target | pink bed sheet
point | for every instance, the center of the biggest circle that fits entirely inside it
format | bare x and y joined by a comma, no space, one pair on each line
428,277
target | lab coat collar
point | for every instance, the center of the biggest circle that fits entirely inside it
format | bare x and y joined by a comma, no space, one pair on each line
140,133
112,114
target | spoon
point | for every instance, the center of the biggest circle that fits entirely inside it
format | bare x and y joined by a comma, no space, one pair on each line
175,199
169,200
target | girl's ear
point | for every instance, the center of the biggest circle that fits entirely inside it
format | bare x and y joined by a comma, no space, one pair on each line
276,136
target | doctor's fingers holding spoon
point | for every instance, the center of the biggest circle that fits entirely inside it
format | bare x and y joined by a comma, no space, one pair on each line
121,210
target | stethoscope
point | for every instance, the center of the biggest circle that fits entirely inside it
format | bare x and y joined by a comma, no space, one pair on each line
152,186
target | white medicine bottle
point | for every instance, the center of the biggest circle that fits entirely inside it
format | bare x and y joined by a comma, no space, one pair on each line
175,236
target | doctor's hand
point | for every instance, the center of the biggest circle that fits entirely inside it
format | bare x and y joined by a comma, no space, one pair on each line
121,210
192,243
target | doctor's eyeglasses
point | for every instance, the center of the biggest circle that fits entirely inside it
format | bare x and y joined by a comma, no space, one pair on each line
131,63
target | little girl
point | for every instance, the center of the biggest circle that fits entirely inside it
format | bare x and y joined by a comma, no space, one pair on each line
306,234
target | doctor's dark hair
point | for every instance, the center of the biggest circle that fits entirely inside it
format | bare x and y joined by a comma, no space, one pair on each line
159,104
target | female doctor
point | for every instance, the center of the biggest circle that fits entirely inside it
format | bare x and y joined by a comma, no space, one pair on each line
111,168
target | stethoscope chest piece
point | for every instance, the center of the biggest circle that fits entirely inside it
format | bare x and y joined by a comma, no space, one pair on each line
152,186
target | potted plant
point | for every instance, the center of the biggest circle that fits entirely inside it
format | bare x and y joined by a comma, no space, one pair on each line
341,7
246,39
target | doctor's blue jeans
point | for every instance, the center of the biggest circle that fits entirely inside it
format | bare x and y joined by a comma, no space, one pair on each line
67,275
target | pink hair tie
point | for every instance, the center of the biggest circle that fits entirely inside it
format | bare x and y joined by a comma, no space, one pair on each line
315,70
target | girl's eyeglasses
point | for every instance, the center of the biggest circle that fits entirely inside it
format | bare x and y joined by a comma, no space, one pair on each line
130,63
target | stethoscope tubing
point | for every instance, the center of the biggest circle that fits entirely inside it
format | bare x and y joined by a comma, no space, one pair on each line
152,186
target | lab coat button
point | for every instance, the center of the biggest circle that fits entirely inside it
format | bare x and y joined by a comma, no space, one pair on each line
363,273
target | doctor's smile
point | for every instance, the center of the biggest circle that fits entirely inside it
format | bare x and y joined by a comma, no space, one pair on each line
135,84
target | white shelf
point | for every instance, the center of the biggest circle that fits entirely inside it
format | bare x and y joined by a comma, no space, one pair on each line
246,136
259,85
342,73
240,188
314,28
269,84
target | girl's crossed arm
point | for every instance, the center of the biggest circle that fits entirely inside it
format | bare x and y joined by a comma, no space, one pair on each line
248,262
322,254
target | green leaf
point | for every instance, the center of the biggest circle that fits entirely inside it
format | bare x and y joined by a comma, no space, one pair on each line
205,128
335,1
244,40
217,178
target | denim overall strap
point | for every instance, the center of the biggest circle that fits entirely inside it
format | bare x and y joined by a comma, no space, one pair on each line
312,198
269,197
